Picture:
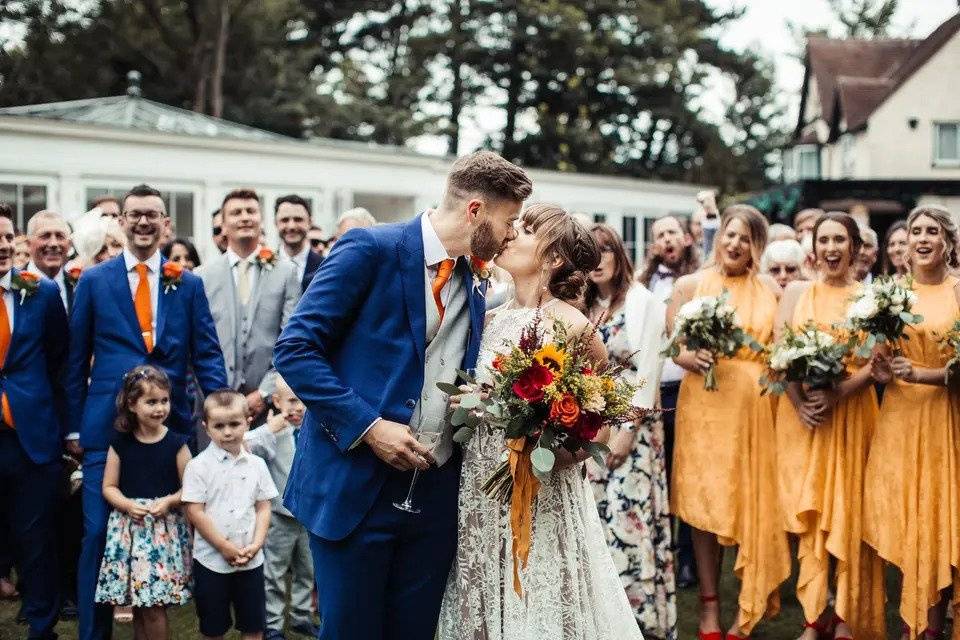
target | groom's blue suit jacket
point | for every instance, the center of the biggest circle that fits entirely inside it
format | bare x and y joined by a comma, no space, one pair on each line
353,352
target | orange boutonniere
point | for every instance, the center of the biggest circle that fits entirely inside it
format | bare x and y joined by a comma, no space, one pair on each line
266,258
72,274
26,283
171,276
481,274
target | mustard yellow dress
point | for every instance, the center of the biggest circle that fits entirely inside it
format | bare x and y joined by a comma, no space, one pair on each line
821,489
724,473
912,502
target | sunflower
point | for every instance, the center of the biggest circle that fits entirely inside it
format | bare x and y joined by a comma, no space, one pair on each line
550,357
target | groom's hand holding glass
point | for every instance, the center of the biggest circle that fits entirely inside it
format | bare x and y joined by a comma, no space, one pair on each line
396,445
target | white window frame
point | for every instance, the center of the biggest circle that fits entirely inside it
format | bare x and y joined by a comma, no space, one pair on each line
937,160
120,188
21,179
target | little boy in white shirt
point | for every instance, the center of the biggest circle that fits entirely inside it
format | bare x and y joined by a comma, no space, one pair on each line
226,493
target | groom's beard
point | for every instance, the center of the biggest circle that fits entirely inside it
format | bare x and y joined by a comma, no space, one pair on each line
483,243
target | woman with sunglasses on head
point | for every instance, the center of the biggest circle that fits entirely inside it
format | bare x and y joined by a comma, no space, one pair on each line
783,261
631,490
823,437
724,469
912,502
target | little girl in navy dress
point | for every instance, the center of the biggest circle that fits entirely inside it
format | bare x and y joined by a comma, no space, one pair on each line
146,562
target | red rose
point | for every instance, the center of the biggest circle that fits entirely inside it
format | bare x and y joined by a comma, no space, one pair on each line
565,410
172,270
588,426
529,386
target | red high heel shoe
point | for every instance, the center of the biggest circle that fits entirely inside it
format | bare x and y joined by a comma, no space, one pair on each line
837,620
816,626
711,635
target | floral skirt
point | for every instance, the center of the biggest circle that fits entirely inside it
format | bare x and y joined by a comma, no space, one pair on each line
147,563
635,511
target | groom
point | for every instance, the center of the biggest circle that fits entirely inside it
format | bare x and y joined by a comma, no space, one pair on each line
393,310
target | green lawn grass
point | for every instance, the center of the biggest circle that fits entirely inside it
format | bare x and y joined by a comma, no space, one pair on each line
183,621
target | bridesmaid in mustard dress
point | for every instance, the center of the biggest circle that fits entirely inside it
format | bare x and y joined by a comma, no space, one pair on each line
823,439
912,502
724,473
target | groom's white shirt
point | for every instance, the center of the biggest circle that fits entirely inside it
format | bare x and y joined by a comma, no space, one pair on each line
433,254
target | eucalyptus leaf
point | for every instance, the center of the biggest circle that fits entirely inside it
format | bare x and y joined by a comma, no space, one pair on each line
449,389
459,417
463,435
597,451
542,460
466,377
470,400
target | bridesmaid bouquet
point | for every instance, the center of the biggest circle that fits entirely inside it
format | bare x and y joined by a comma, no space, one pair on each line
544,396
949,344
809,355
882,311
709,323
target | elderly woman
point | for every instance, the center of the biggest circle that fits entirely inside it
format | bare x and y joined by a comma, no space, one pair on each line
780,232
96,239
783,260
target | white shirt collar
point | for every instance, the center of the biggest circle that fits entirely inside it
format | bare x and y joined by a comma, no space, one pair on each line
7,280
131,261
433,250
299,258
234,259
223,455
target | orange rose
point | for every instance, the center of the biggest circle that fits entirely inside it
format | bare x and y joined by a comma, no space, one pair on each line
75,272
497,362
265,254
172,270
29,277
565,410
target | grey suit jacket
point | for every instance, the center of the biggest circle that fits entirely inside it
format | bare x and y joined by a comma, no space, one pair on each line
247,339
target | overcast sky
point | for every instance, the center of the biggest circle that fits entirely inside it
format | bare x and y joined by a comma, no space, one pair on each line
763,27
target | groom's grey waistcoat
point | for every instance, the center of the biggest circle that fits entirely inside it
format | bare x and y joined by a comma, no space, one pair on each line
446,344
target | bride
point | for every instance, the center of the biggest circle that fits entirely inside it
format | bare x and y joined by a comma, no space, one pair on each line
571,589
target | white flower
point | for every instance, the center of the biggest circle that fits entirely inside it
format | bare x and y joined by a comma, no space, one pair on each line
896,309
865,307
898,296
692,309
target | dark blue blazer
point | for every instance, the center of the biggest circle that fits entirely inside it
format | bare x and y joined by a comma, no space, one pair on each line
353,351
33,371
104,329
314,260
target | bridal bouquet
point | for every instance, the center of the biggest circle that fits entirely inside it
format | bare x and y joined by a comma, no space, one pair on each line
882,311
709,323
809,356
544,396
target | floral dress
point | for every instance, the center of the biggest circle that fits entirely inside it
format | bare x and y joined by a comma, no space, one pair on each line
635,510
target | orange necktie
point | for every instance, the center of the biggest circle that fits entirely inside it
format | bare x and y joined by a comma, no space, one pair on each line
4,348
443,274
141,303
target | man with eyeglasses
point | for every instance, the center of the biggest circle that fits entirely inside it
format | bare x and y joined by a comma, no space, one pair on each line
319,243
292,218
130,311
219,237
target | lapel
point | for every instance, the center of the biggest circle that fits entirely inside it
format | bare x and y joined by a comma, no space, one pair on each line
478,306
22,317
120,284
161,304
410,252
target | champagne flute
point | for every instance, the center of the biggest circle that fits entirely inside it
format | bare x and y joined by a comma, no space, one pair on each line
430,440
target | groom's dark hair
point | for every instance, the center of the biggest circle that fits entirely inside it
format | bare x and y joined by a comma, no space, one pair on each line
487,174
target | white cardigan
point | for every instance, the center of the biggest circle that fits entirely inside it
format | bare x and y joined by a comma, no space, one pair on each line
645,323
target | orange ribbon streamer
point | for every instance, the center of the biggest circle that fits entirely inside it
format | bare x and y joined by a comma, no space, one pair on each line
525,487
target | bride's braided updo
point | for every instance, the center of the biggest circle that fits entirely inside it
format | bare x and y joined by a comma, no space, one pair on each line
561,237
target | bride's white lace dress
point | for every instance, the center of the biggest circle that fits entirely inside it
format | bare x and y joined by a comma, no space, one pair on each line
571,589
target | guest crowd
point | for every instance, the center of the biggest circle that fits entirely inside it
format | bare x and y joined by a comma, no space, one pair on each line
146,439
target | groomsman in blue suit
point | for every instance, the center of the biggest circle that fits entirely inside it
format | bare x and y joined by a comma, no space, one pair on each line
393,310
33,350
129,311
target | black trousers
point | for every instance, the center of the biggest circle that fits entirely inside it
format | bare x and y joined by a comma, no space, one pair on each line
683,539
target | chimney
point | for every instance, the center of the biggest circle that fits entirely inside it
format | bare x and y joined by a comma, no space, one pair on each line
133,84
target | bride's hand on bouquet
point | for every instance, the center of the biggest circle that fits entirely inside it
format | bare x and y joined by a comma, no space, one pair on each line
396,445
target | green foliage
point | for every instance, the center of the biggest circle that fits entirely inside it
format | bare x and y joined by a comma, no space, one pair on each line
600,86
